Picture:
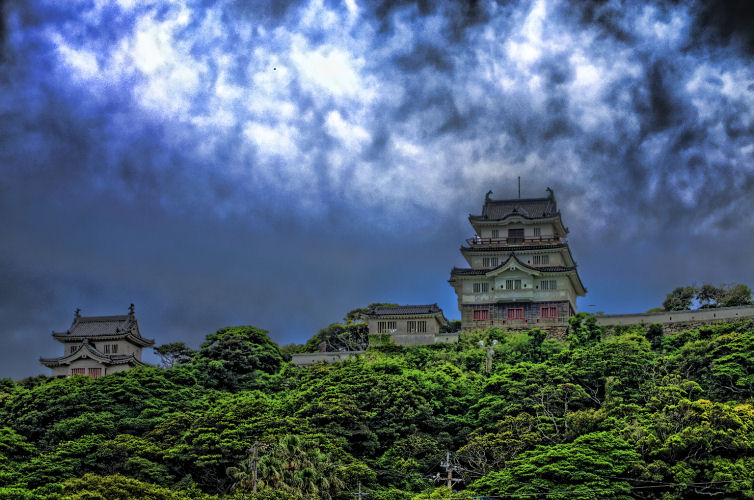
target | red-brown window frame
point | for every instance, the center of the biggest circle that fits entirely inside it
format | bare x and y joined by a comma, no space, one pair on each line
515,313
95,372
548,312
78,371
481,315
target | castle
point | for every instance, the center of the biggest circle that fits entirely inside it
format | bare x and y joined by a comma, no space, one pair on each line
521,273
98,346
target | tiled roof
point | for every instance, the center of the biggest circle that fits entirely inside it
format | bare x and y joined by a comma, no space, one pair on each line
465,271
107,359
394,310
530,208
92,327
100,326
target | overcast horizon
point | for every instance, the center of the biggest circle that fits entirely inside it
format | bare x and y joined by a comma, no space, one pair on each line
278,164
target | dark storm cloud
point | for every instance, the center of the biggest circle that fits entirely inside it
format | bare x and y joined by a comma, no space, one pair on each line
459,14
279,163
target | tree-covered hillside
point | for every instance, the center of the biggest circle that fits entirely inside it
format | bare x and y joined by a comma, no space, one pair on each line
619,414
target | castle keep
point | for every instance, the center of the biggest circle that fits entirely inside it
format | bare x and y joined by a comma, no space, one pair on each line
521,273
98,346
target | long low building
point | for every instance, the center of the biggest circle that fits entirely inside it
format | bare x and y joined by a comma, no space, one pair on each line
410,324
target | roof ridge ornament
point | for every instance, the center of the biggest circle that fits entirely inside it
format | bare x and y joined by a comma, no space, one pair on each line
131,311
487,197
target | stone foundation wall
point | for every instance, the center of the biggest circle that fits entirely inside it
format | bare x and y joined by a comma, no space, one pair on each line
310,358
498,315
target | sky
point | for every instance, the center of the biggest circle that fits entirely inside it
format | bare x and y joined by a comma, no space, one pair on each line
278,164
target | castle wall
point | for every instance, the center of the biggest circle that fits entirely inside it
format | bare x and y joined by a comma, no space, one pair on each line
679,318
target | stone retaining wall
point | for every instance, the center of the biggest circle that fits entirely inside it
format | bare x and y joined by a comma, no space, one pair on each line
310,358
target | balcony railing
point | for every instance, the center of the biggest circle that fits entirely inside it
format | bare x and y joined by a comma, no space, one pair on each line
533,240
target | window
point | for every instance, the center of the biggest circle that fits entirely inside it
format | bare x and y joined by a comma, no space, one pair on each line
512,284
386,326
481,287
495,233
537,231
541,260
114,348
549,284
95,372
515,313
107,348
416,326
489,261
78,371
481,314
549,312
73,348
516,235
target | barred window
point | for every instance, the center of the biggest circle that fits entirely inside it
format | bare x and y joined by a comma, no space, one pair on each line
489,261
495,233
549,284
537,231
541,260
78,371
481,287
512,284
95,372
416,326
386,326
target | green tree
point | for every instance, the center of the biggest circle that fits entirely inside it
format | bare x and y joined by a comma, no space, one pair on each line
297,465
596,465
235,357
738,295
679,299
176,353
115,487
583,330
709,295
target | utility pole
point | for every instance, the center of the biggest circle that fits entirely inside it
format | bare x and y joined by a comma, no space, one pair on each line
253,465
359,495
254,462
490,352
449,471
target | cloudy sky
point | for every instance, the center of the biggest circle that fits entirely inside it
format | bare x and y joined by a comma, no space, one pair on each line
278,164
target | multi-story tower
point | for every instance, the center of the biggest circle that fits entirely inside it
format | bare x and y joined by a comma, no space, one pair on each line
522,274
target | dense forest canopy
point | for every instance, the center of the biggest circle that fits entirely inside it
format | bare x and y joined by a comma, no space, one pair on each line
627,412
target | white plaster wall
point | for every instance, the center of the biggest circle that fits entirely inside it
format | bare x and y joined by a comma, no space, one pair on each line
677,316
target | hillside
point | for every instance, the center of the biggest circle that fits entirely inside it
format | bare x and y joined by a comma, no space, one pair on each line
620,413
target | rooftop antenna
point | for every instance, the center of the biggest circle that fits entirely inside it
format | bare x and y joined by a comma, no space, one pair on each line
519,187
